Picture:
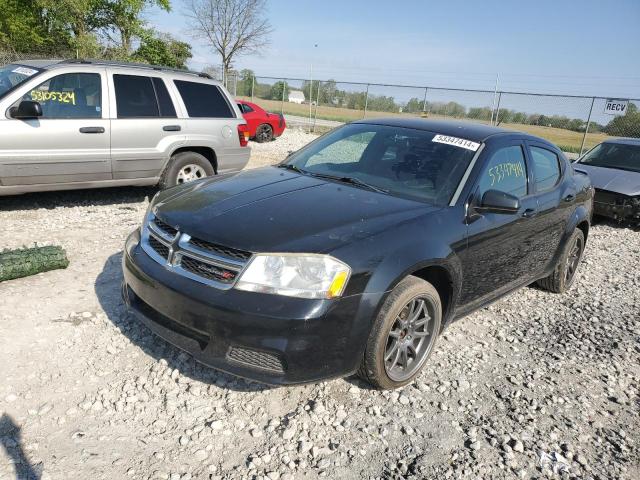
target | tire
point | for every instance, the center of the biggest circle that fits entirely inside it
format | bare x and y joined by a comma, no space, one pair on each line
185,167
564,274
264,133
380,372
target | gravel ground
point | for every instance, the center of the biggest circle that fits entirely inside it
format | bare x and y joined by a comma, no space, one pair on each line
536,386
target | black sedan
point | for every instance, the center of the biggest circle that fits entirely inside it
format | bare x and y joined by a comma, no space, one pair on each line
357,251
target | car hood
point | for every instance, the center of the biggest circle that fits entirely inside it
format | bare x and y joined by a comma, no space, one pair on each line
611,179
271,209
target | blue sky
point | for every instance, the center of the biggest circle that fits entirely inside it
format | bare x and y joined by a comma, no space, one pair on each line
562,46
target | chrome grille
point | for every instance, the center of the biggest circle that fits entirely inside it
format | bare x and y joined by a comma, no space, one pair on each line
202,261
159,247
168,229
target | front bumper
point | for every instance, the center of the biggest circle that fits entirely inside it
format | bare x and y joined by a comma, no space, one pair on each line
267,338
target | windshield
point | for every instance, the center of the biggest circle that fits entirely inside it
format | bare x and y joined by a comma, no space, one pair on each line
399,161
614,155
13,75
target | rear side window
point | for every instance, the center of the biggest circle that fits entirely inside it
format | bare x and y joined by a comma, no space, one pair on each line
142,97
203,100
165,103
506,171
135,96
546,168
244,108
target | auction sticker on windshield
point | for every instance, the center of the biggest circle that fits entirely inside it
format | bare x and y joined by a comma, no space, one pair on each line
457,142
25,71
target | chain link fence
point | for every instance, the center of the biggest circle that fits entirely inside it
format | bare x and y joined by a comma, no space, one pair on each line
574,123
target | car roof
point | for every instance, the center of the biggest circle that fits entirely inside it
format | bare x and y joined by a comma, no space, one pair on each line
624,141
35,63
476,132
55,63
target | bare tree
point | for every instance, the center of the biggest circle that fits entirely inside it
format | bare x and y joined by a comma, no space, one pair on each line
231,27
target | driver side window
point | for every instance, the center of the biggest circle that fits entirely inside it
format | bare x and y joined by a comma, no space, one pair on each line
70,95
506,171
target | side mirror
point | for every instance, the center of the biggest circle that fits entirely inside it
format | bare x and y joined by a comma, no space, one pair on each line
26,109
495,201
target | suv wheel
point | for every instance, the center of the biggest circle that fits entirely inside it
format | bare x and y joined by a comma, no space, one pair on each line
565,272
264,133
185,167
403,335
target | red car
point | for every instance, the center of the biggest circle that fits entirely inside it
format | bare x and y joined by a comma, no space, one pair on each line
263,126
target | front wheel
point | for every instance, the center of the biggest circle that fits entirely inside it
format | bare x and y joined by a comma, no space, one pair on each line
403,335
185,167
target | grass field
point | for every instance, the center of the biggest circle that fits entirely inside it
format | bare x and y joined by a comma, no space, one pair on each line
566,139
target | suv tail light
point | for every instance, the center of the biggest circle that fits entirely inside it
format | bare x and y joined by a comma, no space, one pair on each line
243,134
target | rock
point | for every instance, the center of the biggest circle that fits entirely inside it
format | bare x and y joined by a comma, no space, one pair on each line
517,446
200,455
217,425
288,433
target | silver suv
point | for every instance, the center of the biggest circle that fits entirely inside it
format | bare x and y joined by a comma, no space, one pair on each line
82,124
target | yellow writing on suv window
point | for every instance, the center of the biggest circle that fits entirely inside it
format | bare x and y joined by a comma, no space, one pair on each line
62,97
505,170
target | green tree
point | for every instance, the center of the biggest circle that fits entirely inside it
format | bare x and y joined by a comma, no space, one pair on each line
83,19
414,105
479,113
246,82
26,26
627,125
162,49
124,21
276,92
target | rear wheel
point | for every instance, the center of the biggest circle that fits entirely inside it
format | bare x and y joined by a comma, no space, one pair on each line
264,133
185,167
403,335
565,272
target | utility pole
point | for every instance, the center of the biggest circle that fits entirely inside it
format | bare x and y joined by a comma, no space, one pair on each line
495,94
315,45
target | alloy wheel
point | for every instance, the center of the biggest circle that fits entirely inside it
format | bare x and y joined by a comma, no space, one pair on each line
410,339
189,173
573,260
264,133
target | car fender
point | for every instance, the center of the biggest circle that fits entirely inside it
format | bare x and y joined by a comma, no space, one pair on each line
580,214
405,259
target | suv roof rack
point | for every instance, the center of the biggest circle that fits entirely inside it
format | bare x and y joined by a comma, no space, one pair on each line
114,63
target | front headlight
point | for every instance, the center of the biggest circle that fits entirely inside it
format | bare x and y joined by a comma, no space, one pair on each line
295,275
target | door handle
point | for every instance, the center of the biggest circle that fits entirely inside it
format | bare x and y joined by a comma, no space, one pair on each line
172,128
529,213
92,130
569,198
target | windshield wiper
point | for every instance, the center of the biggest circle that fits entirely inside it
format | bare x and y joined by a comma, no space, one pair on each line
351,181
291,167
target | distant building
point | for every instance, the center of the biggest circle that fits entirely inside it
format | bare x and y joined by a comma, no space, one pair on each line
296,96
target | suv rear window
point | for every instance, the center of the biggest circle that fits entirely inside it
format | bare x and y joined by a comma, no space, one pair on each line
142,97
203,100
